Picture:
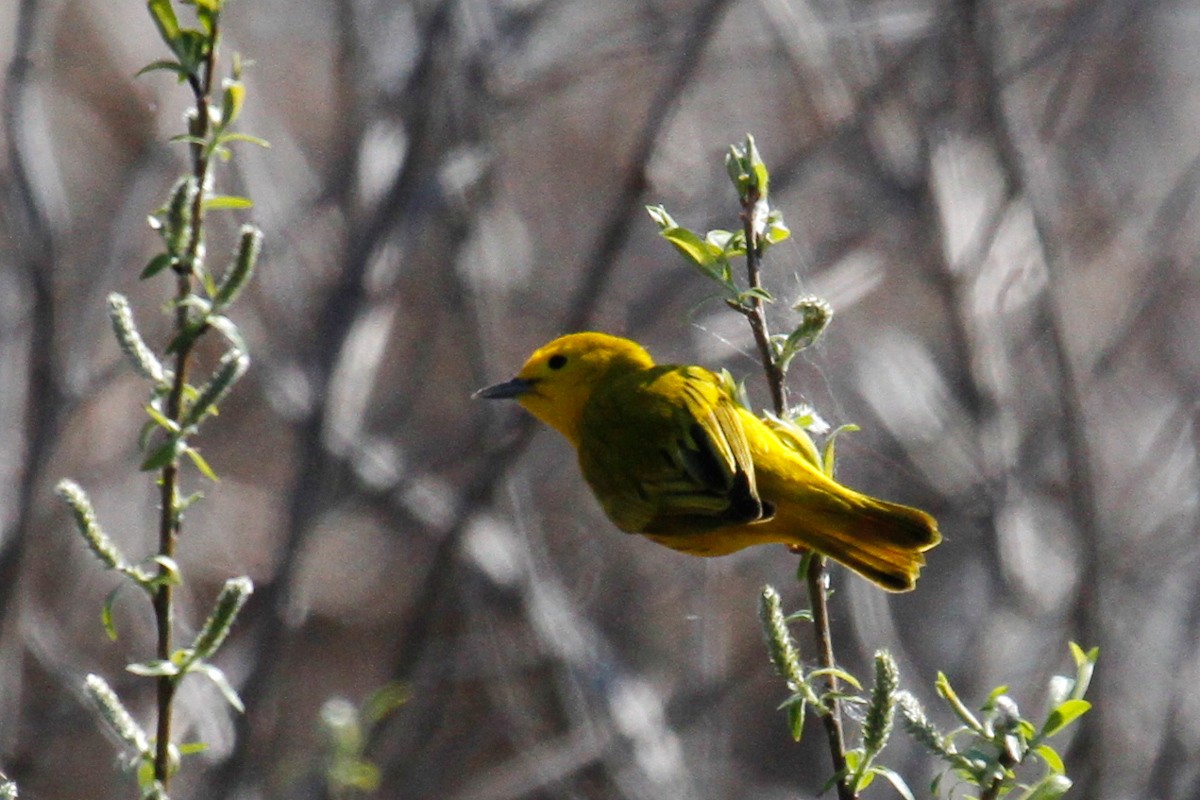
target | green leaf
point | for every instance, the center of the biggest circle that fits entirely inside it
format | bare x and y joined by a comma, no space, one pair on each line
893,777
795,715
697,250
993,694
168,570
168,66
165,20
1064,715
829,454
242,137
864,780
1051,757
192,748
776,230
756,292
162,456
731,243
201,464
190,46
1085,663
840,674
161,420
157,265
187,138
222,683
207,17
224,202
1051,787
106,613
232,100
804,565
157,668
385,700
803,615
942,684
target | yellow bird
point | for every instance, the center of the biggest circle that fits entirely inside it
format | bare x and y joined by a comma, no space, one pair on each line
670,455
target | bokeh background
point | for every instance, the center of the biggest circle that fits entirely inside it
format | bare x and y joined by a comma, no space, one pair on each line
998,198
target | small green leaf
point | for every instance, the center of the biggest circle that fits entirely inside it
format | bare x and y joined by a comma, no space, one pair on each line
187,138
106,614
158,668
224,202
829,455
192,748
942,684
157,265
168,570
898,783
384,700
201,464
168,66
803,615
161,420
993,695
803,566
242,137
165,20
163,455
699,252
1064,715
1051,787
756,292
864,780
776,230
231,102
795,715
190,46
1085,664
1051,757
840,674
222,683
731,243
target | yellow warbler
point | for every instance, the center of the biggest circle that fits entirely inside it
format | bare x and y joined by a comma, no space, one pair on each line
670,455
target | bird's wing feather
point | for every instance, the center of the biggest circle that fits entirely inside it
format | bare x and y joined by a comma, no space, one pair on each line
668,445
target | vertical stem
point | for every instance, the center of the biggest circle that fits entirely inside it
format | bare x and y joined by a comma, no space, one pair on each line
755,313
817,582
169,523
831,718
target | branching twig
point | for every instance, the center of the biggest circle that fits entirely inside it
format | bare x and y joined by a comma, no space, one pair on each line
817,582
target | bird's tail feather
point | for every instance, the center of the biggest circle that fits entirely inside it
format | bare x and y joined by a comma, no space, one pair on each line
881,541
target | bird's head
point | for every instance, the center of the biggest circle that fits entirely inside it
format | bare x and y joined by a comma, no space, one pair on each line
559,378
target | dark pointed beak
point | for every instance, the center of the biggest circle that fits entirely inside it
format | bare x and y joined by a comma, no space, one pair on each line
507,390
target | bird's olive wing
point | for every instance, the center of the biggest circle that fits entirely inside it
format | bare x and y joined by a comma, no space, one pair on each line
668,448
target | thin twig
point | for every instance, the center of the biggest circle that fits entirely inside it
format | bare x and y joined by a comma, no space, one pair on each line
169,519
816,577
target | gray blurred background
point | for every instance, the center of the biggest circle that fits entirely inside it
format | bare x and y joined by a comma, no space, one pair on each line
998,198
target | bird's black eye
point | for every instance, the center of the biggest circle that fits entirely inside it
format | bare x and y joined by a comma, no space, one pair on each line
557,361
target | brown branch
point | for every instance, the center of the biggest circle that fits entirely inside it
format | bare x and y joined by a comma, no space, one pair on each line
169,511
816,577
